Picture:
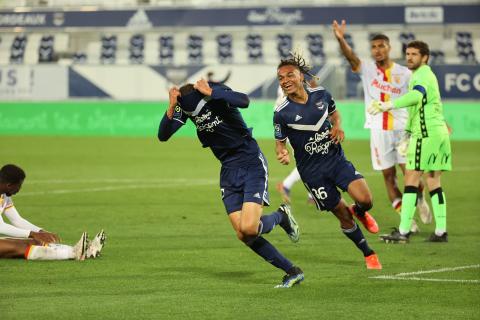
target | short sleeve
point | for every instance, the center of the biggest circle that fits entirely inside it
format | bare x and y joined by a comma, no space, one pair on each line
331,103
280,127
179,115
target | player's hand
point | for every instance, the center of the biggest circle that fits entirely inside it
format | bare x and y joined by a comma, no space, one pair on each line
202,86
402,145
44,237
173,95
283,157
339,29
337,134
377,107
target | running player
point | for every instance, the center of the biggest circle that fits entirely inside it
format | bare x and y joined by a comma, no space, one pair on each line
429,144
213,108
284,187
309,120
30,241
384,80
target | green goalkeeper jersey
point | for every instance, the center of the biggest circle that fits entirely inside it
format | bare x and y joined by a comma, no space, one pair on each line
425,111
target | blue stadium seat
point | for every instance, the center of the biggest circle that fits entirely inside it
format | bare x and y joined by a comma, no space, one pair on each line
108,53
224,48
405,38
195,49
437,57
17,50
79,57
284,45
166,50
45,50
315,47
254,47
465,49
136,49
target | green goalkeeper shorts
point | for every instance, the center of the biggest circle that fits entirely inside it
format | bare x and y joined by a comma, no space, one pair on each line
429,154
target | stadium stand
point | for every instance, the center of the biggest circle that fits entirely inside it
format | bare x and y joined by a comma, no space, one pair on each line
108,51
224,45
166,49
137,46
254,47
195,49
46,50
17,51
464,47
284,45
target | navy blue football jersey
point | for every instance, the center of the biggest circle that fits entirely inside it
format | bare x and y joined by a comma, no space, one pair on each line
219,125
307,127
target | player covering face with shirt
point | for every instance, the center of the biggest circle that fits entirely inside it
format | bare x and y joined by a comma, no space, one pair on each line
310,121
213,108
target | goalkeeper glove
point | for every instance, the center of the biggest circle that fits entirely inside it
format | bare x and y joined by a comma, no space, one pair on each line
377,107
402,145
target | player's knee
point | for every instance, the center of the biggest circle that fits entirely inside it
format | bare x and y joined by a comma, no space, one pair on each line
365,202
249,231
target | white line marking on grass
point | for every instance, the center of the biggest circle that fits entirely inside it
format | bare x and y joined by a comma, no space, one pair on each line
161,185
185,180
407,275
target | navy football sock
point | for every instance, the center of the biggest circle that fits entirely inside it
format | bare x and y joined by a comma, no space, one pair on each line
268,252
356,235
270,221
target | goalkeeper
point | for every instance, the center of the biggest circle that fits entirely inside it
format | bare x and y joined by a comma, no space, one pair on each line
428,148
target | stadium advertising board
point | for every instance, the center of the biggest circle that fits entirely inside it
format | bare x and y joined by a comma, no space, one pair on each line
261,16
33,82
458,81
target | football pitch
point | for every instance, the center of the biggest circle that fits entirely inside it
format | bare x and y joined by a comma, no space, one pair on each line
172,254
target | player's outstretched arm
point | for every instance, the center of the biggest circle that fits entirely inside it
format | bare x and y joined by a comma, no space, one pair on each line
347,51
282,152
219,91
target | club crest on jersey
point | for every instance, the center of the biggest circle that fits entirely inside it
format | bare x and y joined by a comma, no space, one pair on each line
320,105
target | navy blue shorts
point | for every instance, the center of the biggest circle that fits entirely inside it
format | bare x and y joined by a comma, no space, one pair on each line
323,186
245,184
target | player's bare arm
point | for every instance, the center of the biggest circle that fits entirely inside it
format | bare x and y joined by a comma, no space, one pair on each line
43,237
337,134
173,95
339,32
202,86
282,152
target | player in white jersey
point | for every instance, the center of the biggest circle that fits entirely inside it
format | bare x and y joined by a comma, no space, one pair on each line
26,240
293,177
384,80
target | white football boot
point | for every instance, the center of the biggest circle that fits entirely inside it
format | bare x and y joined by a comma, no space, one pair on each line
80,249
96,245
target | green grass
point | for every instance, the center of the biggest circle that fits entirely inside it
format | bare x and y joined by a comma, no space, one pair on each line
172,254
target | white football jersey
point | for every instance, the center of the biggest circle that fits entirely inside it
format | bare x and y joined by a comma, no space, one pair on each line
384,85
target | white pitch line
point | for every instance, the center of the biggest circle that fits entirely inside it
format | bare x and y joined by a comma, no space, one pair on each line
185,180
406,275
403,274
125,187
425,279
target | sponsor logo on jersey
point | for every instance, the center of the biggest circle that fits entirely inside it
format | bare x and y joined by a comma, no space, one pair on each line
385,87
315,144
205,122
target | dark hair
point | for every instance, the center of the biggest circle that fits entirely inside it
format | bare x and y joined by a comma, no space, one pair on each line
299,62
421,46
11,173
380,36
186,89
